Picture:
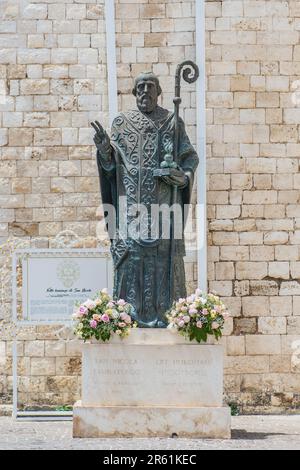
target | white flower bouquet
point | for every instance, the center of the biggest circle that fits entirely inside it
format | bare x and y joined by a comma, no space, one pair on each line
198,316
101,317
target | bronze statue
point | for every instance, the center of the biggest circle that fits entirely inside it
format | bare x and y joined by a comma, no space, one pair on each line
148,162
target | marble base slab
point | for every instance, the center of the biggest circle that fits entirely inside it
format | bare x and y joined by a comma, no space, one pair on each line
153,383
114,421
150,375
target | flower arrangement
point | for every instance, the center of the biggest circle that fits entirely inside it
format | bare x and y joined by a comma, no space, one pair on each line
102,317
198,316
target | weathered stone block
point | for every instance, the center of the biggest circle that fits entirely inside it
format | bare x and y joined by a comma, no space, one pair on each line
68,366
255,306
47,137
293,325
55,348
281,306
59,385
251,270
271,325
289,288
245,326
279,270
20,137
34,348
42,366
263,345
235,346
246,364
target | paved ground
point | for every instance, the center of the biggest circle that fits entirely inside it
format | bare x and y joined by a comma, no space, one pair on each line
248,432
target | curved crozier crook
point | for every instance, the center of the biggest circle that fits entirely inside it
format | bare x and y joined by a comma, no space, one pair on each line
190,74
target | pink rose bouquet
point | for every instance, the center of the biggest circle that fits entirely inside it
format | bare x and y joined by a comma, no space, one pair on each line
102,317
198,316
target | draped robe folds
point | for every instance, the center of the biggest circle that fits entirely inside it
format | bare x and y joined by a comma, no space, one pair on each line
142,264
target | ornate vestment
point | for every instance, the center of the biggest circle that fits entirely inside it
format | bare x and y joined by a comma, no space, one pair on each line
142,263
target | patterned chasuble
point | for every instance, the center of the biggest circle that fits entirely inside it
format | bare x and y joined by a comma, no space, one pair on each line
141,274
141,145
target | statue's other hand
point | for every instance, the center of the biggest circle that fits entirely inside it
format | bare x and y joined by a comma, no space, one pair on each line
179,180
101,138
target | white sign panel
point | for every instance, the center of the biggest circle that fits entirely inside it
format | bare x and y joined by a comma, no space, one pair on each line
54,282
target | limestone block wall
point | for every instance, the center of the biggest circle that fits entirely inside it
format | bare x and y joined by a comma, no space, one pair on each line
253,193
53,82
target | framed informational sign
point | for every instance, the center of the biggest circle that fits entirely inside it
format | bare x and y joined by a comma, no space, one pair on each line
53,281
46,284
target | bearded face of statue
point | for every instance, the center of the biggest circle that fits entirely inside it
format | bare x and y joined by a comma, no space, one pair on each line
146,95
146,90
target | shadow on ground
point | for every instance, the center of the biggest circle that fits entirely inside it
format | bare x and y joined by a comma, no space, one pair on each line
242,434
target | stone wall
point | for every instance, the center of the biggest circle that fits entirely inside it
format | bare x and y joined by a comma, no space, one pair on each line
53,82
253,197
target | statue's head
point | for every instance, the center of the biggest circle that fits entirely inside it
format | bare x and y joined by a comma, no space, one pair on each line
146,90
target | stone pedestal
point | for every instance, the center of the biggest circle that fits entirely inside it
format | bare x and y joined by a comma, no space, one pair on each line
152,384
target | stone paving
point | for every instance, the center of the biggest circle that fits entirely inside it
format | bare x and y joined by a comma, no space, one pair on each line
248,432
